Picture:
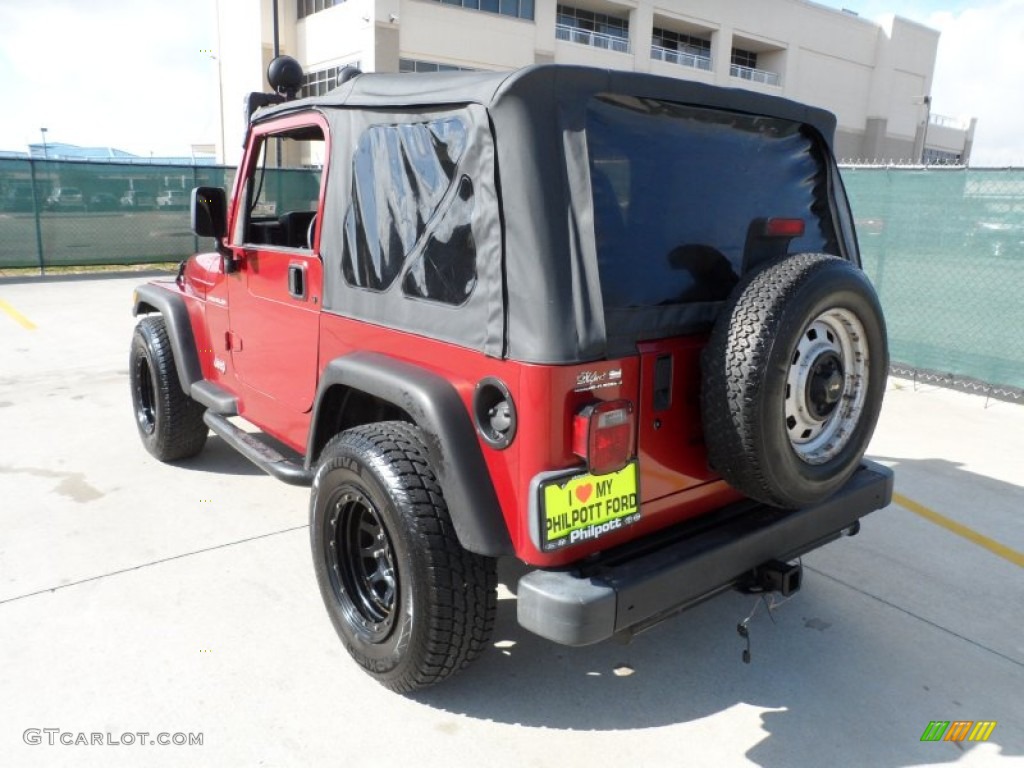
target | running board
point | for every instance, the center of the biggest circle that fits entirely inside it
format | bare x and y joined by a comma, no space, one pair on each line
258,452
215,398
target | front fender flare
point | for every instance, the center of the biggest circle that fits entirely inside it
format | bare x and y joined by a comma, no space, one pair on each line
452,445
152,298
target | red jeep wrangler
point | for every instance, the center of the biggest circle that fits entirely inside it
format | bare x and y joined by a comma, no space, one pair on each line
610,324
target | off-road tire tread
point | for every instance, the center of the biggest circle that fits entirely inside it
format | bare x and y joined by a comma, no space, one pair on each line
462,585
738,350
181,431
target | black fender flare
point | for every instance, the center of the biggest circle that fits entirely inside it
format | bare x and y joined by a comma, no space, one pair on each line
152,298
452,445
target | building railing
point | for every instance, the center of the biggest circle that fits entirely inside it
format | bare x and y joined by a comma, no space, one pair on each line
955,123
682,58
755,75
594,39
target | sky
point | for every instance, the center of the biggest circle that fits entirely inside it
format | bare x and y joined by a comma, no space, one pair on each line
133,74
978,70
139,74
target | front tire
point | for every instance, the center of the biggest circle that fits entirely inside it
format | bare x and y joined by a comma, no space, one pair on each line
170,423
411,606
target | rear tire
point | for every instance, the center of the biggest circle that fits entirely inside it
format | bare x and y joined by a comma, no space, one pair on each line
794,374
411,606
170,422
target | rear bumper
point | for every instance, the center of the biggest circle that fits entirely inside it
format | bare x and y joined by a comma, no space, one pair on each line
643,582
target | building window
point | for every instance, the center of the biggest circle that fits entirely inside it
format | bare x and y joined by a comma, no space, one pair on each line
741,58
520,9
744,66
678,41
322,80
599,30
415,65
679,48
941,157
309,7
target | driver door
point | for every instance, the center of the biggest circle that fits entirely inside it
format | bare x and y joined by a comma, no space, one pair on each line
274,296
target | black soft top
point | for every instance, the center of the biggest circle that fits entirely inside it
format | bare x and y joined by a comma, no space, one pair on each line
540,86
538,292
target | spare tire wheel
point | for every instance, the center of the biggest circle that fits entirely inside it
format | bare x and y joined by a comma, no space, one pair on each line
794,374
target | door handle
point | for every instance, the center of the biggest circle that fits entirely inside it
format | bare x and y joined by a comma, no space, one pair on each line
297,287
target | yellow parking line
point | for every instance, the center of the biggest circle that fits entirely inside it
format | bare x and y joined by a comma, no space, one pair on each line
19,318
993,546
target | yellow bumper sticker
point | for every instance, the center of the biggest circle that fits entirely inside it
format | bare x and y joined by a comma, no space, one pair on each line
585,507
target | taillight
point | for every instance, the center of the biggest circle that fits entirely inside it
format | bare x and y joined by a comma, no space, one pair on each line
602,434
783,228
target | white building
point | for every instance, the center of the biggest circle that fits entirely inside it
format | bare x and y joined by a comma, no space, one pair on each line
876,78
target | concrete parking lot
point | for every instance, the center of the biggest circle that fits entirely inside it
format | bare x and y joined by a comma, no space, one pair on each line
141,597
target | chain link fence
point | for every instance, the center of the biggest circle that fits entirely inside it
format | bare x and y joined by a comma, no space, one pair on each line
945,250
63,213
944,247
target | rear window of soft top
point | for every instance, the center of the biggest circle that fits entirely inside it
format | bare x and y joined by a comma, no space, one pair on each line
677,189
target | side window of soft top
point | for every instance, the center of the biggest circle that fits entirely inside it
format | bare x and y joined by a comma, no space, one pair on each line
282,192
411,212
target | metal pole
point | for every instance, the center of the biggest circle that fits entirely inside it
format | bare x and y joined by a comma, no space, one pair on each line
220,100
220,89
195,183
927,119
277,52
277,41
35,213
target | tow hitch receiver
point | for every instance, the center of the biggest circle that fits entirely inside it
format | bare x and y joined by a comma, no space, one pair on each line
776,576
765,580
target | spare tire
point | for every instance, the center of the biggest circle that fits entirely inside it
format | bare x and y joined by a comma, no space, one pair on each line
794,374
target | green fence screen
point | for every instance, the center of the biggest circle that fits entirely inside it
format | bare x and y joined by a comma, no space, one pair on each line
61,213
944,247
945,250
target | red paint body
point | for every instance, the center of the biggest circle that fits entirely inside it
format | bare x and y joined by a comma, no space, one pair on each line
269,349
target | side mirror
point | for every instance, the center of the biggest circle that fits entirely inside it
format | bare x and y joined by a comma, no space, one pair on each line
209,212
210,219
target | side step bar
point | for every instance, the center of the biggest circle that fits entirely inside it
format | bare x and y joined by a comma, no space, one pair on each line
259,453
214,398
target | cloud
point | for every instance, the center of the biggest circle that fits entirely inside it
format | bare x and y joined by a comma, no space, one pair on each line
977,74
105,73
